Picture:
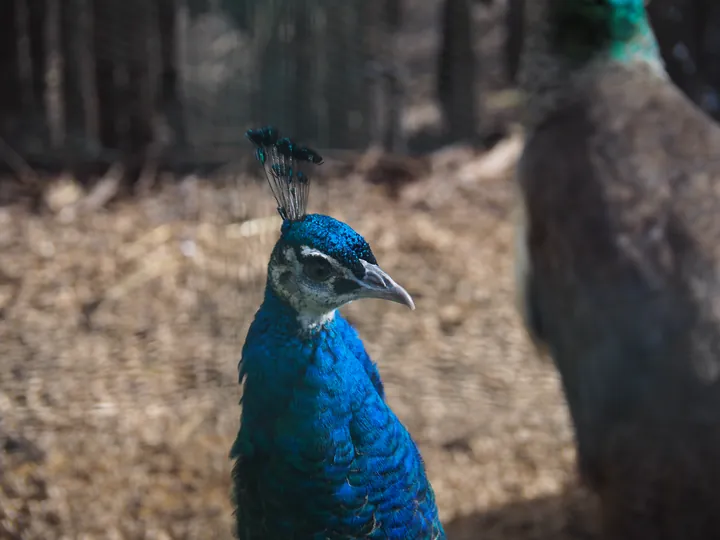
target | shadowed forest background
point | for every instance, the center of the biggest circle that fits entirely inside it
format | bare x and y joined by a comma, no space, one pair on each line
135,230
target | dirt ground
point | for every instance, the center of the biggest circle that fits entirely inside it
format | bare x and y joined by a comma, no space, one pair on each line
120,332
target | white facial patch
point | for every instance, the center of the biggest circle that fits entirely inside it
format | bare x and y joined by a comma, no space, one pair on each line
311,301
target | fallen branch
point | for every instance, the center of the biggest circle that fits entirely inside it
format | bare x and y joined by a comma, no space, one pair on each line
25,173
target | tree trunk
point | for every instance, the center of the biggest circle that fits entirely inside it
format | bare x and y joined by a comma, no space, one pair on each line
456,71
688,34
54,79
181,53
24,54
393,140
86,72
709,63
153,63
514,22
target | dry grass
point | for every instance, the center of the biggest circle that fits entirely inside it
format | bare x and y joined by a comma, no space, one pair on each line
120,333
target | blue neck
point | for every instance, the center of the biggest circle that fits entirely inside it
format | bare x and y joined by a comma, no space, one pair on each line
289,373
642,46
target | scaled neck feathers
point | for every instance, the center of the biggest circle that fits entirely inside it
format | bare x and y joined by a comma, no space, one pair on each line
277,352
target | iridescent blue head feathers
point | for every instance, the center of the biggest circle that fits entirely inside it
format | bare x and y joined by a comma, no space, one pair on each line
285,164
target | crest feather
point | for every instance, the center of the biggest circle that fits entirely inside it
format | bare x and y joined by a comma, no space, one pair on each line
285,164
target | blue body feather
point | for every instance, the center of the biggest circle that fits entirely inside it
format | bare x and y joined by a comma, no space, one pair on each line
356,347
319,454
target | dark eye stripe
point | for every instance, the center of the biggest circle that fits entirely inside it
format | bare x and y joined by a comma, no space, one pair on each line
344,286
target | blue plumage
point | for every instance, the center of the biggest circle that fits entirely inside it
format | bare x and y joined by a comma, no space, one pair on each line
319,454
356,347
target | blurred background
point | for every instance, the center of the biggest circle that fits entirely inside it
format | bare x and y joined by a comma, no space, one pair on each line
135,230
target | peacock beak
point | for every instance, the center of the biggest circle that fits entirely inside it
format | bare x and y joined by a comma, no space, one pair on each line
376,283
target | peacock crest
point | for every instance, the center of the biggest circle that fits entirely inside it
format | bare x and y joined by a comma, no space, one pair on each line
285,164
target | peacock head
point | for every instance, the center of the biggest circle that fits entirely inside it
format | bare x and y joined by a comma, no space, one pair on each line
319,263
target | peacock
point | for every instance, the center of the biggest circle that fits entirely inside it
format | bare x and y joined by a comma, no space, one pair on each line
618,263
319,453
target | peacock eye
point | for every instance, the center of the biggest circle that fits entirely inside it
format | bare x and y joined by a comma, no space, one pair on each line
317,268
